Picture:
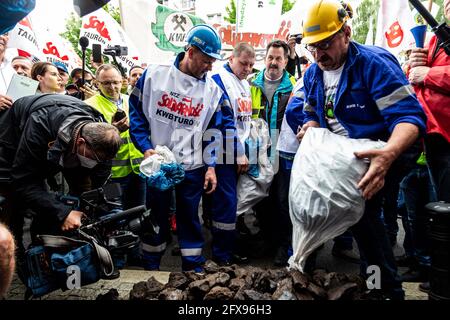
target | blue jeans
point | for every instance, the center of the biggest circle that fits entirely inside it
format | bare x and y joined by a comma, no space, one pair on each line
416,190
399,169
273,212
375,248
438,158
133,190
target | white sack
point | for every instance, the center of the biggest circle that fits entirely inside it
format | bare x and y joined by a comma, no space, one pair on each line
251,190
324,200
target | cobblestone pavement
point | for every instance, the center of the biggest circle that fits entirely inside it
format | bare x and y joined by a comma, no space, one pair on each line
123,284
129,277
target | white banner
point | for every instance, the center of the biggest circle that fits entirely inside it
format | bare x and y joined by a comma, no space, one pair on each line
261,16
161,32
395,21
55,48
100,28
41,46
23,38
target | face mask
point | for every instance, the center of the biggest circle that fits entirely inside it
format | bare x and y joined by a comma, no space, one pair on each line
87,162
71,161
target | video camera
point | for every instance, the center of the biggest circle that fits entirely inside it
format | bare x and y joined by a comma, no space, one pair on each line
117,230
298,38
117,51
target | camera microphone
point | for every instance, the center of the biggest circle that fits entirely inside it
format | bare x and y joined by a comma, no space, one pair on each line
84,42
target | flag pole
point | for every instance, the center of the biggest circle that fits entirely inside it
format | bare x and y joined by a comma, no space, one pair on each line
236,28
121,15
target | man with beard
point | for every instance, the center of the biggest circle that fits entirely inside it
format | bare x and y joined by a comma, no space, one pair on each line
360,92
270,90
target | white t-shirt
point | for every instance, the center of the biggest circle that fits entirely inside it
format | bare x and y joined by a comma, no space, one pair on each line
331,82
6,74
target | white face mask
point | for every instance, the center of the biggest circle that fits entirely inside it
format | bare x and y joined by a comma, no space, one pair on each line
87,162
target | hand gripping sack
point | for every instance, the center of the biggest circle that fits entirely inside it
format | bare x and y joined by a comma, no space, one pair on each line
324,200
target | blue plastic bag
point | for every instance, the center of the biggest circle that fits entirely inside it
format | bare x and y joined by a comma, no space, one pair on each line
168,176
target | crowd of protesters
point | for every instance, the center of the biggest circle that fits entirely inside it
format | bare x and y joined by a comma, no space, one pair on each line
406,106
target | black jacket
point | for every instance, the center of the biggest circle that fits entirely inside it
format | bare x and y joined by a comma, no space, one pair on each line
34,135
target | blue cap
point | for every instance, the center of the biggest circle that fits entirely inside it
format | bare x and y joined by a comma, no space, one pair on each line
61,66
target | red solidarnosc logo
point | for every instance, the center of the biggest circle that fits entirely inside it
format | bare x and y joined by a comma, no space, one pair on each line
25,22
395,35
94,23
244,105
183,108
51,49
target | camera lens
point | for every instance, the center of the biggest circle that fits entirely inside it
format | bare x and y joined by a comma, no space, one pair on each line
298,38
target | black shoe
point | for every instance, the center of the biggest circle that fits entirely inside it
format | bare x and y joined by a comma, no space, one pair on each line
425,287
377,294
346,254
281,257
225,263
405,261
222,263
413,275
114,275
240,258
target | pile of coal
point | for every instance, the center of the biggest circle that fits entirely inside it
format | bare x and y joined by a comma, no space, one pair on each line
251,283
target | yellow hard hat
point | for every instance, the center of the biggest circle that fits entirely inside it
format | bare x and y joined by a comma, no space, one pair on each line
323,19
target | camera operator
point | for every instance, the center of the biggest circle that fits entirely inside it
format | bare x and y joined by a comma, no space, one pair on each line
88,88
294,61
41,136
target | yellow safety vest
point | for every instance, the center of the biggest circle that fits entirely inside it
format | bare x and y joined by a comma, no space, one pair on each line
128,157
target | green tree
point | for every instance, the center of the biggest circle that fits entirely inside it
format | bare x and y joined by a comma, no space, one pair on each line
287,6
72,33
440,15
367,11
113,12
231,10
